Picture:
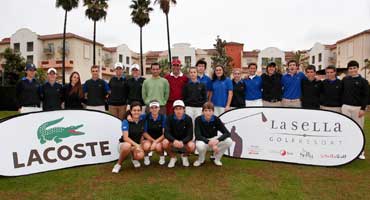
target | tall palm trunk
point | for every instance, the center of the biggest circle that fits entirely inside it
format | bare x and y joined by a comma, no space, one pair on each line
94,43
141,51
64,49
168,40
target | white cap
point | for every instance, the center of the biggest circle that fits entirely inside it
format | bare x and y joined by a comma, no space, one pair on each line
52,70
119,65
154,103
135,66
178,103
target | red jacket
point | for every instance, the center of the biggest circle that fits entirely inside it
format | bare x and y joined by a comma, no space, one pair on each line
176,86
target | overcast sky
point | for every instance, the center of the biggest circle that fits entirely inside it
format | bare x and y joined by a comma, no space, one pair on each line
286,24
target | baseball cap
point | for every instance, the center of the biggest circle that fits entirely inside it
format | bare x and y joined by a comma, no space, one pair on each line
117,65
135,66
178,103
154,103
176,62
52,70
30,66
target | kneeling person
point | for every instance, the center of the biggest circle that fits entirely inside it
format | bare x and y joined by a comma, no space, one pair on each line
130,142
154,132
179,135
206,127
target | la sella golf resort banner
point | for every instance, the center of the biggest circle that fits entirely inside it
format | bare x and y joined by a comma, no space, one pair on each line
44,141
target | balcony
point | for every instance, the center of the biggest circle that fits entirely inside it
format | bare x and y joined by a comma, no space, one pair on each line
49,51
107,71
56,64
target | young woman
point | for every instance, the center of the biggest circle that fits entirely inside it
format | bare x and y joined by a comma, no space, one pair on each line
131,141
222,91
73,93
155,124
206,127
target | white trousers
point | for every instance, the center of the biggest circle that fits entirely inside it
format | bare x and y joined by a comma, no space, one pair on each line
202,148
219,110
257,102
193,112
352,112
30,109
98,108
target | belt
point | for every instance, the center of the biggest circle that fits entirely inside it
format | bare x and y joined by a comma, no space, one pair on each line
274,100
291,100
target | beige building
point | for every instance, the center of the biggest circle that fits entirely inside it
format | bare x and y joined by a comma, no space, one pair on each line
355,47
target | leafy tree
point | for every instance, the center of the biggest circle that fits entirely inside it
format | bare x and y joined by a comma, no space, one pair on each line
221,58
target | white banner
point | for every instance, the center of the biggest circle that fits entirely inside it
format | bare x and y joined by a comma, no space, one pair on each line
44,141
302,136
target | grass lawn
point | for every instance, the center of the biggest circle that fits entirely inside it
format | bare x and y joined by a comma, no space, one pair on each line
237,179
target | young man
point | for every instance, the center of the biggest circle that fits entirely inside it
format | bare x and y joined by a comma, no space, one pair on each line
135,85
156,88
203,78
51,92
311,89
291,83
177,81
238,100
331,91
253,83
206,127
195,95
28,91
355,96
179,135
119,90
96,91
271,86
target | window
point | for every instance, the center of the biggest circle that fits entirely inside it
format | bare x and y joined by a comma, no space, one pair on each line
120,58
265,61
17,47
278,61
29,46
127,60
320,67
320,57
313,60
338,51
99,52
187,61
30,59
86,51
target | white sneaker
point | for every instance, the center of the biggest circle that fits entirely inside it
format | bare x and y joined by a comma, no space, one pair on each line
217,162
197,163
212,157
162,160
185,161
362,156
136,163
116,168
146,160
172,162
150,154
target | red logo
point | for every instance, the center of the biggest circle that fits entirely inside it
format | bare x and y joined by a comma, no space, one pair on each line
283,152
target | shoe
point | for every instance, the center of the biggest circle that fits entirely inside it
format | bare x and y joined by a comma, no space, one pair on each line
162,160
212,157
172,162
362,156
136,163
116,168
185,161
217,162
198,163
146,160
150,154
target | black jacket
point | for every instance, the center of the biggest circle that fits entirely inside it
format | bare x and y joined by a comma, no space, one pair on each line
355,91
28,93
271,87
205,130
134,90
181,130
311,93
238,99
52,96
119,91
194,94
72,100
331,93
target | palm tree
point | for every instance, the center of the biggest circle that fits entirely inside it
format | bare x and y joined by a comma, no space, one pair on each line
96,10
67,6
140,16
165,7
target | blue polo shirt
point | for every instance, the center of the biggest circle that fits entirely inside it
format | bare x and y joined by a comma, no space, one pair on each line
253,88
206,81
220,91
292,85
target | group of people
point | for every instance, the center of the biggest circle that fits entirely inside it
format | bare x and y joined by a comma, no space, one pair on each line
153,109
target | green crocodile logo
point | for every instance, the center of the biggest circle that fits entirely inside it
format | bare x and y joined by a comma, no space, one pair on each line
56,133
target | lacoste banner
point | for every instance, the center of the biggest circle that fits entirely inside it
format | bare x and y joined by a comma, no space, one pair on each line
302,136
43,141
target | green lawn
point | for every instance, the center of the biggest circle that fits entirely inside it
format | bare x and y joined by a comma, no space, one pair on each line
237,179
